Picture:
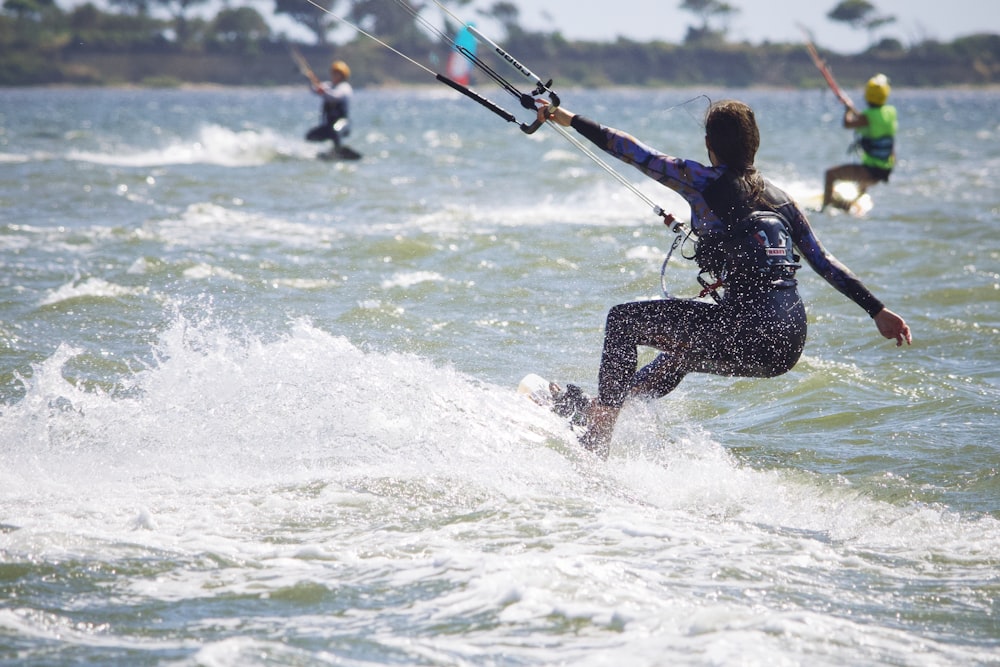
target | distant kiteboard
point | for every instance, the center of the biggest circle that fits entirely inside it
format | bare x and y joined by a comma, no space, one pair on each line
845,198
342,153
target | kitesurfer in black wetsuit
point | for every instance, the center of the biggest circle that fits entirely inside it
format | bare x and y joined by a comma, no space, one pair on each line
746,228
336,96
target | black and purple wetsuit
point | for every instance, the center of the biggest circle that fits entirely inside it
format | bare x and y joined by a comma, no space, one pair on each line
758,328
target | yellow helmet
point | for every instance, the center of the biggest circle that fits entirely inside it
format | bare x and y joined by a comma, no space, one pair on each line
341,68
877,90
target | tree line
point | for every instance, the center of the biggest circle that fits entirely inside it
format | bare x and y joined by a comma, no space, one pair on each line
164,42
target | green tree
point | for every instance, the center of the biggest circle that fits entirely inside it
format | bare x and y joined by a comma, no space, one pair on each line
94,30
707,11
31,10
86,18
32,32
854,13
860,14
390,22
242,27
178,9
134,7
315,19
508,15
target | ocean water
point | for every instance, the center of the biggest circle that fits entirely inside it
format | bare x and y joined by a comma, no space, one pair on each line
260,409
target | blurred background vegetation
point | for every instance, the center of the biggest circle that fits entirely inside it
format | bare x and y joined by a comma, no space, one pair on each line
166,43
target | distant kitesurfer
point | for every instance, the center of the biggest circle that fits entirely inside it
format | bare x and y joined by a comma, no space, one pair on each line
746,228
336,95
876,129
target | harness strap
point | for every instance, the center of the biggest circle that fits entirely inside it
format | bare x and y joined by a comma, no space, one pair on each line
709,289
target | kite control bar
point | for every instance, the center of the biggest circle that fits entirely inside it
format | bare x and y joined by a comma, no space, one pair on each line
473,95
528,102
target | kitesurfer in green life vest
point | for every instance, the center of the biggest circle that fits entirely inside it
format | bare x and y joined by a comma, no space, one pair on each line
876,129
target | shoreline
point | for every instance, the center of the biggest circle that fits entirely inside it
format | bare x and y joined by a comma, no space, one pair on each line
197,87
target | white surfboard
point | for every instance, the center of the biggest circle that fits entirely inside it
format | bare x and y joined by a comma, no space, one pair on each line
845,198
536,388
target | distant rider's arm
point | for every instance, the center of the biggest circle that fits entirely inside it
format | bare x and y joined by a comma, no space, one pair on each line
854,119
314,81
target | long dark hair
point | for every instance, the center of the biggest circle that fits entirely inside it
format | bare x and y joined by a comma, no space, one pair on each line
731,130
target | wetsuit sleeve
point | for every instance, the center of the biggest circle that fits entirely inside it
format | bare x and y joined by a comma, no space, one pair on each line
833,270
588,129
685,177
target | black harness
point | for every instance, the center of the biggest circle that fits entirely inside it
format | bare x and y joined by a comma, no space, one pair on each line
879,148
333,110
754,248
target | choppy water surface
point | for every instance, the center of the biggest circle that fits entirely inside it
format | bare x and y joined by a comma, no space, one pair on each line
257,408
